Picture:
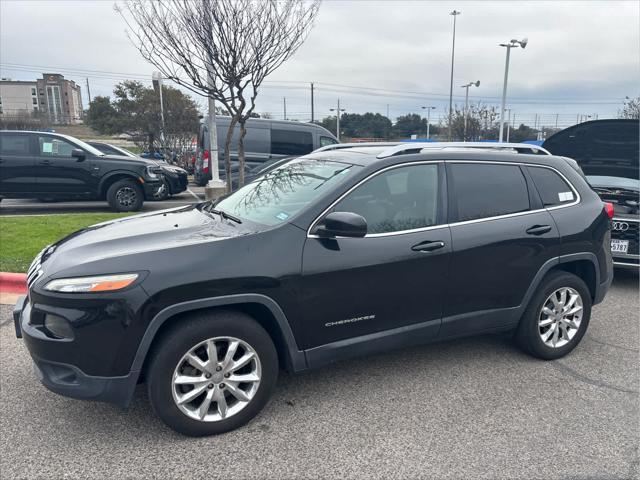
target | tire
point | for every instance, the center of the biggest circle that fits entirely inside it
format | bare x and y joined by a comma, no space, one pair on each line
125,196
168,360
162,193
537,326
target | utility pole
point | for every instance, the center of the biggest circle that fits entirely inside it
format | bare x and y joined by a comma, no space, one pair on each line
88,90
157,85
556,120
284,103
453,53
428,109
312,119
337,110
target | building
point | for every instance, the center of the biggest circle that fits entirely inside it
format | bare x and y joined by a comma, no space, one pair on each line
59,99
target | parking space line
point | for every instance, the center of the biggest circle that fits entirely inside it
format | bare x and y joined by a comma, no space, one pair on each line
197,197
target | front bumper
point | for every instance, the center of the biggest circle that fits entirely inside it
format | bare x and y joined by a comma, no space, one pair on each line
151,187
66,379
628,229
177,182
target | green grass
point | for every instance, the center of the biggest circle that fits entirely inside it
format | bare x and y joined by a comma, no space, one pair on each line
21,238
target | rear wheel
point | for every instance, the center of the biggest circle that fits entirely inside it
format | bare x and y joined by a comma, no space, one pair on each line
557,317
212,373
125,196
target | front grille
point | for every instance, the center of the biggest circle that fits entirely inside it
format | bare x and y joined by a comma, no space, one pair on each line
631,233
35,269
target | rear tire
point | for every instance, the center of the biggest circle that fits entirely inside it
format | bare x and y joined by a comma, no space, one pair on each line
548,329
172,378
125,196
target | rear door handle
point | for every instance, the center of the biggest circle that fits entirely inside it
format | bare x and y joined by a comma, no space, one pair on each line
538,229
427,246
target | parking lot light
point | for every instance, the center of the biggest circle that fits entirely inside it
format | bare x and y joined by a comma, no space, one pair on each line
513,43
428,109
466,106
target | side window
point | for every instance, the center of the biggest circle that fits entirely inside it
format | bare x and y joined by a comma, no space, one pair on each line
11,144
324,141
488,190
291,142
54,147
403,198
551,186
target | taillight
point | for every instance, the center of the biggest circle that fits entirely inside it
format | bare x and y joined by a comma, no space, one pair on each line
608,207
205,163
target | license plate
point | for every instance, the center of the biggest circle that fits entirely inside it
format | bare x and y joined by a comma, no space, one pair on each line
619,246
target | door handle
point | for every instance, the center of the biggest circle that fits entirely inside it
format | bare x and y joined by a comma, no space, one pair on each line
538,229
45,162
427,246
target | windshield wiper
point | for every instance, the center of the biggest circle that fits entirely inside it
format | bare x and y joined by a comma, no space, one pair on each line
223,214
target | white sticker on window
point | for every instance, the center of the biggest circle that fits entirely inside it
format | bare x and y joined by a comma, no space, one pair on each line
47,147
565,196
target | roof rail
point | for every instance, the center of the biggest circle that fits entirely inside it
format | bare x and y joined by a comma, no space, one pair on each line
417,147
342,146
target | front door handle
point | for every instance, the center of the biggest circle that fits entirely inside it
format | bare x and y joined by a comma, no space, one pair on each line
427,246
538,229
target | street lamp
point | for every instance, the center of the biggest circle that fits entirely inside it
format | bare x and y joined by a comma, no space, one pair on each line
337,110
455,13
428,109
156,79
466,106
513,43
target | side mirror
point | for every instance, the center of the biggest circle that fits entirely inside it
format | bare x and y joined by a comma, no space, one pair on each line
79,154
342,224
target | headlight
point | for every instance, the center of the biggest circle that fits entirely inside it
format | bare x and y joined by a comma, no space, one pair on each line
103,283
152,172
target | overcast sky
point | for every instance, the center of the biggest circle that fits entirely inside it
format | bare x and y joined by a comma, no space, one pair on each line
582,57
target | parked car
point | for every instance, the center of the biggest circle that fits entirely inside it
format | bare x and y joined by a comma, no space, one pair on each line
608,151
175,179
329,256
51,165
265,140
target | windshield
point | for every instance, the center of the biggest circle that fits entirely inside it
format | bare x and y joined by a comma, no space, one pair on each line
613,182
286,190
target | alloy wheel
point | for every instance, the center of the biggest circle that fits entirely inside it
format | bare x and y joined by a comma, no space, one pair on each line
560,317
126,196
216,379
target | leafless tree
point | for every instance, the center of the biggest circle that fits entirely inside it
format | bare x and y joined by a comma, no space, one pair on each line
223,49
630,108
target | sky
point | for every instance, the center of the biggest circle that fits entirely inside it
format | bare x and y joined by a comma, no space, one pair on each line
583,57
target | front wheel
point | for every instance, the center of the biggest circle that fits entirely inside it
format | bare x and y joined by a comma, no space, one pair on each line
212,373
125,196
557,317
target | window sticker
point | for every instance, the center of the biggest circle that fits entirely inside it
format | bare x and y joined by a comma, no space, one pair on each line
47,147
282,216
565,196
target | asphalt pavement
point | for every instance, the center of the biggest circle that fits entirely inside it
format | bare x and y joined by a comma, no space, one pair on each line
32,206
471,408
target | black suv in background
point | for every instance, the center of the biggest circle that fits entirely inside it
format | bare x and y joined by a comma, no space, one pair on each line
175,179
608,151
328,256
51,165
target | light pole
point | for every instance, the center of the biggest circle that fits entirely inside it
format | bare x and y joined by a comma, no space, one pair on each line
513,43
466,106
337,110
455,13
508,123
156,78
428,109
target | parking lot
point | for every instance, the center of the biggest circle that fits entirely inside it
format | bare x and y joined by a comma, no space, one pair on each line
471,408
10,206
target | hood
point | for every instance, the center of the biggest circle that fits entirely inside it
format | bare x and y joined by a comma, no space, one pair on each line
138,160
608,148
162,230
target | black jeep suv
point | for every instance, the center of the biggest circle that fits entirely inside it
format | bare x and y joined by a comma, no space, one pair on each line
331,255
50,165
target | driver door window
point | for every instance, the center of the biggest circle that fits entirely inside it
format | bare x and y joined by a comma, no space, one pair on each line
399,199
54,147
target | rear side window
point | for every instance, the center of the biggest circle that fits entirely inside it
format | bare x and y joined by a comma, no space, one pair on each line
324,141
487,190
11,144
552,188
291,142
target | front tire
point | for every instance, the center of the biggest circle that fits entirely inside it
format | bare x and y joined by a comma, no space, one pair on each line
557,317
212,373
125,196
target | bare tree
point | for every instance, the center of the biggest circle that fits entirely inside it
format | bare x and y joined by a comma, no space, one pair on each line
223,49
630,108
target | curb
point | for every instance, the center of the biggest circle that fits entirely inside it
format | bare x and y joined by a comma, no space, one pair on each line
13,282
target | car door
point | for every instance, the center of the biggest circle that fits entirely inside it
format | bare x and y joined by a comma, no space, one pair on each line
16,163
60,173
393,277
501,237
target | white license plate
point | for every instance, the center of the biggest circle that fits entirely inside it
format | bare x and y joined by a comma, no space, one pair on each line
619,246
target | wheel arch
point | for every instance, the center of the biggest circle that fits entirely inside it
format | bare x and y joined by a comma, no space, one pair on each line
260,307
110,179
